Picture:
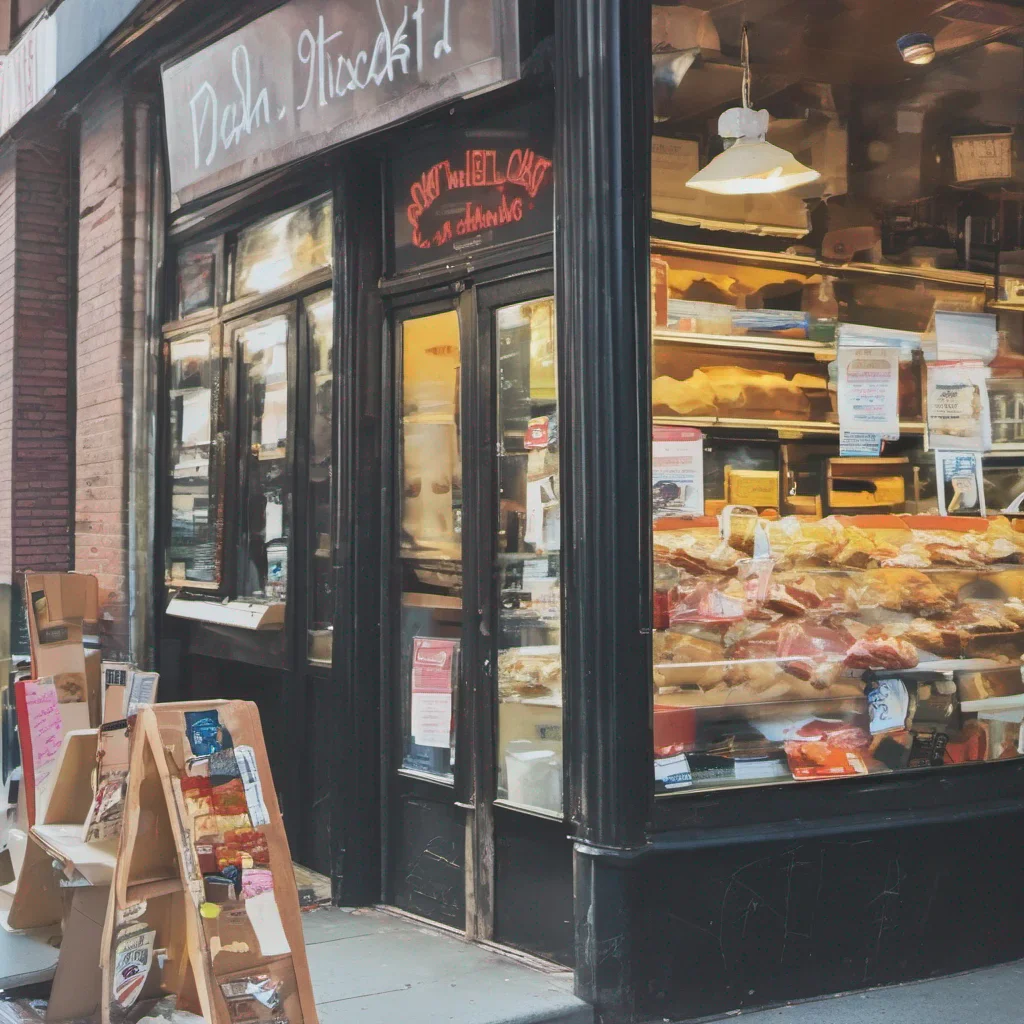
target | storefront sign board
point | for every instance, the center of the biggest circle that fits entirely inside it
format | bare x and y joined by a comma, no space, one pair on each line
473,187
309,75
28,72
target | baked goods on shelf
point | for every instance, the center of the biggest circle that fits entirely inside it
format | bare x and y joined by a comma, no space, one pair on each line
529,673
736,391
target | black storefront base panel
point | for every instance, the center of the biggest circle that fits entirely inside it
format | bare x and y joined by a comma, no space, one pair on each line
722,924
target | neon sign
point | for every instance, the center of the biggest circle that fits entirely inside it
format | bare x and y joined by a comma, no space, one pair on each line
517,179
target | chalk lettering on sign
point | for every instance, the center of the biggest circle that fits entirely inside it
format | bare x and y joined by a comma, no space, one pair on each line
218,126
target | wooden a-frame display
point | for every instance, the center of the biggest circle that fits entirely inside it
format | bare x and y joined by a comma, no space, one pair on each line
207,947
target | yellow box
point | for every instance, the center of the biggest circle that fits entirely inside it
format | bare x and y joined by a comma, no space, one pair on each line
757,487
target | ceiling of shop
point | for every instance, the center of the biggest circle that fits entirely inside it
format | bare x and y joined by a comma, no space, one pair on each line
854,41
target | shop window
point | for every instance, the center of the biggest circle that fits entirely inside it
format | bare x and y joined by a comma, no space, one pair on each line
283,249
319,311
266,497
250,420
196,278
529,568
430,544
838,433
193,550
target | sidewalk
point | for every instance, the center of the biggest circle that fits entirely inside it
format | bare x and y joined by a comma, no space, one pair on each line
986,996
370,967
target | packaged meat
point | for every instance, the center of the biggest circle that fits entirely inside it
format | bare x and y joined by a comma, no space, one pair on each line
677,658
825,748
899,590
698,550
878,650
708,600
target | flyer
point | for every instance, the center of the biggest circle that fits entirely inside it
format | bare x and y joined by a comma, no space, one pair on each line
869,391
678,472
433,672
958,407
959,484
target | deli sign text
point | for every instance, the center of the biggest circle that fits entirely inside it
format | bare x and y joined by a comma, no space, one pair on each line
473,187
314,73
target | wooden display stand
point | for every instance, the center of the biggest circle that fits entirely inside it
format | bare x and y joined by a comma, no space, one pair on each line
170,931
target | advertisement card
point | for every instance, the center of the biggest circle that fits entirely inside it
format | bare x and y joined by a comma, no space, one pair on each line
869,391
959,484
433,673
958,409
678,472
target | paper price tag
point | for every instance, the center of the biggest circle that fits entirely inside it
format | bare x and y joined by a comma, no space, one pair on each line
673,772
246,758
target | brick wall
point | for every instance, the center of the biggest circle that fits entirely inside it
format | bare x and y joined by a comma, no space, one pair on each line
106,321
42,437
8,182
35,440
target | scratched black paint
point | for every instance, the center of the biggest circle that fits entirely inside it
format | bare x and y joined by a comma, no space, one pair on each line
769,922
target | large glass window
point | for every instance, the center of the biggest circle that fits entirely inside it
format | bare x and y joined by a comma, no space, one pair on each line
193,551
266,497
278,251
253,381
529,569
430,538
319,311
838,350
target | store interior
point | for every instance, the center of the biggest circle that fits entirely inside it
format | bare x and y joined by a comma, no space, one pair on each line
837,390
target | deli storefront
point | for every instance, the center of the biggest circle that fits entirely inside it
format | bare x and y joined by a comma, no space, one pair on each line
590,435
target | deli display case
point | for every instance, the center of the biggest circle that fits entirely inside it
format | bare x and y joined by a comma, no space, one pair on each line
818,614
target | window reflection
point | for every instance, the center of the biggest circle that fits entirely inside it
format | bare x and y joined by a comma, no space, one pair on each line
430,546
529,567
320,317
266,498
192,554
278,251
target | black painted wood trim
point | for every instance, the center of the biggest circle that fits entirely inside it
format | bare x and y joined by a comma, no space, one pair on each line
602,244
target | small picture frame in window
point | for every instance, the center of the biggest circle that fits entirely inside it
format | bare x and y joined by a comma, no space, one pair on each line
197,279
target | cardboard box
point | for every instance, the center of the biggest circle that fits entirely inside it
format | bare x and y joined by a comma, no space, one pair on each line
61,609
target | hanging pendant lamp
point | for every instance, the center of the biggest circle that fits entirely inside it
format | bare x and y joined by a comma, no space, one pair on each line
750,165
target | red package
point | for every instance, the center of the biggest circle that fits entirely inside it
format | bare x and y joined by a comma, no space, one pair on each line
229,798
827,749
198,796
251,841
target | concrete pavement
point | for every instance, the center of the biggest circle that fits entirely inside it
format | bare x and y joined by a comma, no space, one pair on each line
994,995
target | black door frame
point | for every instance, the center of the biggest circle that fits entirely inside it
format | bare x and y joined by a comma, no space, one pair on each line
525,272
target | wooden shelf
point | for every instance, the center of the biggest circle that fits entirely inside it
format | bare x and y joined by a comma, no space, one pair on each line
789,428
959,278
154,889
820,351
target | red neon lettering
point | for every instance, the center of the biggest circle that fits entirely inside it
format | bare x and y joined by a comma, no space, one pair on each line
524,168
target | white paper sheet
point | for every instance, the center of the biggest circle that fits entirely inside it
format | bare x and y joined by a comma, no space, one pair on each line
266,922
195,417
959,417
44,724
960,486
869,390
678,456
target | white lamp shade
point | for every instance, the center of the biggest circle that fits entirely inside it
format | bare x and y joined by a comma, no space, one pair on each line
752,167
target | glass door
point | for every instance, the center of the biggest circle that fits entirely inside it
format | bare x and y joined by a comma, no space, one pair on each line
427,830
529,666
477,835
